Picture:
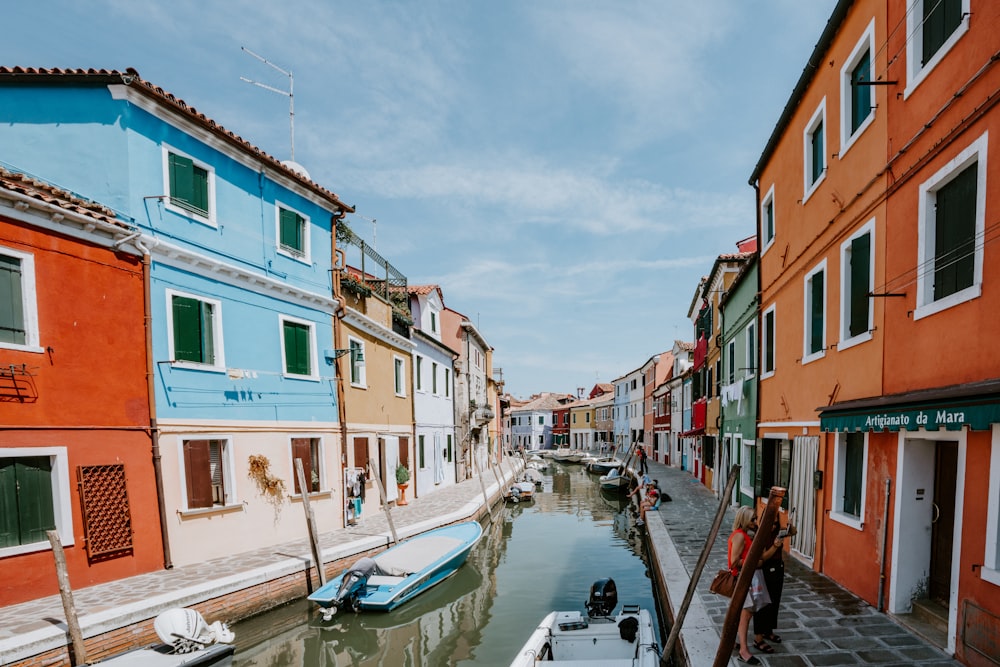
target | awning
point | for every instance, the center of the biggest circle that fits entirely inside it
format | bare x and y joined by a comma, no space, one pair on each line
975,405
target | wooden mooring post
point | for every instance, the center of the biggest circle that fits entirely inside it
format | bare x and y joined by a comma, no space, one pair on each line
79,656
310,522
385,503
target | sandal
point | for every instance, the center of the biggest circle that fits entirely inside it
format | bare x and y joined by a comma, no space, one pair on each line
763,647
752,660
771,637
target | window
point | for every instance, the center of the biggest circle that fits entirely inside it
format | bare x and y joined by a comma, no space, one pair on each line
293,233
933,27
448,451
420,451
857,110
190,185
34,495
856,282
748,463
767,343
434,322
298,343
751,350
18,309
195,329
815,314
814,140
399,375
208,473
418,373
357,362
447,382
434,377
541,420
588,417
308,450
848,479
951,227
991,566
767,219
731,354
574,417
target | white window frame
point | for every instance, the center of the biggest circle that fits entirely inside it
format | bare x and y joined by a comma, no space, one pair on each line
211,219
915,72
764,374
991,565
220,354
846,340
818,117
447,383
975,152
865,45
306,256
62,502
362,381
750,343
435,387
747,450
434,319
768,200
399,375
839,479
231,500
807,355
313,359
29,303
321,456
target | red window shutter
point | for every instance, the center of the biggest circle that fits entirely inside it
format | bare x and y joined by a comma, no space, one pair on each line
198,470
301,450
361,452
404,452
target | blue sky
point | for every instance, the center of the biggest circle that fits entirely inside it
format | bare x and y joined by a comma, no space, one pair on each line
566,171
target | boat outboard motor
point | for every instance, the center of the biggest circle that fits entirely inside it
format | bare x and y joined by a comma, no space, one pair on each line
355,580
603,598
186,630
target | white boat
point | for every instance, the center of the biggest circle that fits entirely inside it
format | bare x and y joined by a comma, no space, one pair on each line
563,454
520,492
537,463
614,481
188,641
626,639
604,465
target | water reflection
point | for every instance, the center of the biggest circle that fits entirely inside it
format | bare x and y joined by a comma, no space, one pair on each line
535,557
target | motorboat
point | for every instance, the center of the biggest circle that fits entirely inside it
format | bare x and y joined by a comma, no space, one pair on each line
604,465
614,481
534,476
598,637
564,455
520,491
537,463
400,573
188,641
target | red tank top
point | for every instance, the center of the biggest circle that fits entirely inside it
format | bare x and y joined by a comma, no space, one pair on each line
729,548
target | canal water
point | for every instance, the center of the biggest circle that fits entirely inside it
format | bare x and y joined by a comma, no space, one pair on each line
535,557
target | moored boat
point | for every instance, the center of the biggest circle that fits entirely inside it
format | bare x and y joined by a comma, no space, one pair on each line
604,465
597,638
188,641
400,573
614,481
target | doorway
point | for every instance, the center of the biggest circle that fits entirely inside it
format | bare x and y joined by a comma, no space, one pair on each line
943,521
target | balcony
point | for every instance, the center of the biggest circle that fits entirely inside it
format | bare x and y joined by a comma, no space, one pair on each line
482,416
700,352
699,412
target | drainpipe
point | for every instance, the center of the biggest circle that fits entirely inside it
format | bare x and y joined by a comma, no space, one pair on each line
338,335
885,539
154,430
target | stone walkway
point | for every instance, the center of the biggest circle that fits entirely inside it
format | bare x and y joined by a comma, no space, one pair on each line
820,623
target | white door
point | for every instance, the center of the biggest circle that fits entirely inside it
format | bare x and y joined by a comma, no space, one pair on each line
389,452
438,459
802,495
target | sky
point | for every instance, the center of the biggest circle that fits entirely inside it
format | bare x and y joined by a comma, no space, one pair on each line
565,170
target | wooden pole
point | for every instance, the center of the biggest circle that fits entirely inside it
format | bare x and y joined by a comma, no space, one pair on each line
373,464
731,624
79,656
482,485
675,629
310,522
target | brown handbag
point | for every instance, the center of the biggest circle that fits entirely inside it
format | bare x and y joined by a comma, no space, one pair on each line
724,583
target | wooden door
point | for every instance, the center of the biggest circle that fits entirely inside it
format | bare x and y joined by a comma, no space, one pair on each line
943,520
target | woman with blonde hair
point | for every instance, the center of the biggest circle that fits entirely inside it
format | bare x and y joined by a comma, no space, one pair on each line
739,547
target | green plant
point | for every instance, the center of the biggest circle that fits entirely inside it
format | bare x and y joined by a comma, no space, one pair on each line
402,474
356,287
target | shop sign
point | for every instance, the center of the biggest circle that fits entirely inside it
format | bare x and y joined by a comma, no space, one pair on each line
930,417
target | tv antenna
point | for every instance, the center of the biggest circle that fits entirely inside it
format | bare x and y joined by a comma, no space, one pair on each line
374,235
290,93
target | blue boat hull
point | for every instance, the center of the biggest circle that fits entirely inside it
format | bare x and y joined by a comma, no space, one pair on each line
443,551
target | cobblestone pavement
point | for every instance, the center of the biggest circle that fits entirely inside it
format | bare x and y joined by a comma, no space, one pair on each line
820,623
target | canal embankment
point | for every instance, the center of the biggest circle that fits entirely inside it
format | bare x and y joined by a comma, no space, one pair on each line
117,616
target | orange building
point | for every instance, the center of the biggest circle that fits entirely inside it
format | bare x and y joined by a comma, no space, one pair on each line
77,451
879,395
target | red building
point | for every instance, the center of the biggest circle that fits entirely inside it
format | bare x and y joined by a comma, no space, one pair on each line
560,426
76,451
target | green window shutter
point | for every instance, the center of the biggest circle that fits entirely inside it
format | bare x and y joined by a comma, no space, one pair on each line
816,313
769,221
302,449
861,95
860,277
198,473
955,234
941,19
10,526
854,454
434,377
768,351
190,340
449,448
297,360
11,301
199,190
420,449
34,498
188,184
291,230
817,152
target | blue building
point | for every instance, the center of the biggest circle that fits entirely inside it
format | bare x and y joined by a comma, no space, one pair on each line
239,250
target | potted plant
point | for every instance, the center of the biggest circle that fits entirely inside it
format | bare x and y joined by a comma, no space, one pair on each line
402,482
